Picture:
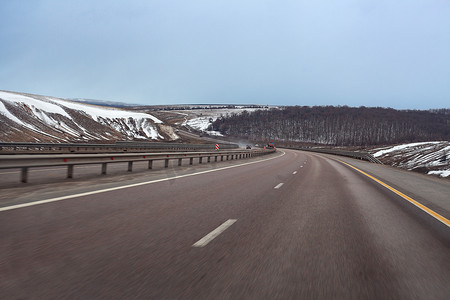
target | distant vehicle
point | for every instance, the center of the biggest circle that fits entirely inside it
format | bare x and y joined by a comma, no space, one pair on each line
249,147
270,145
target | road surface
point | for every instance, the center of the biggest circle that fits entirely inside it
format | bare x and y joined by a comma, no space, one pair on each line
294,225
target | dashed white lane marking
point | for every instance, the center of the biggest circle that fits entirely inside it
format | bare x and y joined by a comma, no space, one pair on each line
295,172
279,185
6,208
301,166
213,234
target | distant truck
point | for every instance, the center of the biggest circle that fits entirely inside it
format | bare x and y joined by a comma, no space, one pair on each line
270,145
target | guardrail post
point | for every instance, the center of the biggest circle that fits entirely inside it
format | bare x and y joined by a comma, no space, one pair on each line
179,161
200,159
130,166
221,158
150,164
209,158
24,175
70,171
227,157
166,163
215,158
191,160
103,168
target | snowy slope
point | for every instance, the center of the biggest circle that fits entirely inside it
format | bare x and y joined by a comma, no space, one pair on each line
34,118
430,157
205,117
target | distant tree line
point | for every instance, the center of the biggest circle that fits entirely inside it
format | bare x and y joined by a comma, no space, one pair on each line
195,107
339,126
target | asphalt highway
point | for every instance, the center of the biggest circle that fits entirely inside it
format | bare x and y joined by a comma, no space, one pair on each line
293,225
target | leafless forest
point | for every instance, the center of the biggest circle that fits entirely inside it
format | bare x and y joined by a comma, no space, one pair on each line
340,126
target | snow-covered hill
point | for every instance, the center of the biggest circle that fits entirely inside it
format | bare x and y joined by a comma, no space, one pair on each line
430,157
202,119
34,118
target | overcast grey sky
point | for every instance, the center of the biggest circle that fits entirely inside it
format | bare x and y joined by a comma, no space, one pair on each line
393,53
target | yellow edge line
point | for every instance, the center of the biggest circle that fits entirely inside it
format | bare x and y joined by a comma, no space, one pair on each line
421,206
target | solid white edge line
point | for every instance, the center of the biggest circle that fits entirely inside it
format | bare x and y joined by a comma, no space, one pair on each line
213,234
279,185
6,208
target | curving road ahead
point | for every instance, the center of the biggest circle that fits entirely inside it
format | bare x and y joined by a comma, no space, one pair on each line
294,225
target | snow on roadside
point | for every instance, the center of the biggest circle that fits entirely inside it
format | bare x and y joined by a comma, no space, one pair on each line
432,158
440,173
400,147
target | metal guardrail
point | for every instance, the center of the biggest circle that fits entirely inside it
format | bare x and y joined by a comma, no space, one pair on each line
353,154
120,146
25,162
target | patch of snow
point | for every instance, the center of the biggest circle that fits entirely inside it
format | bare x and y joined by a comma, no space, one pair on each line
47,134
208,116
431,156
150,132
444,173
65,128
401,147
201,123
215,133
4,111
106,112
45,118
34,104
